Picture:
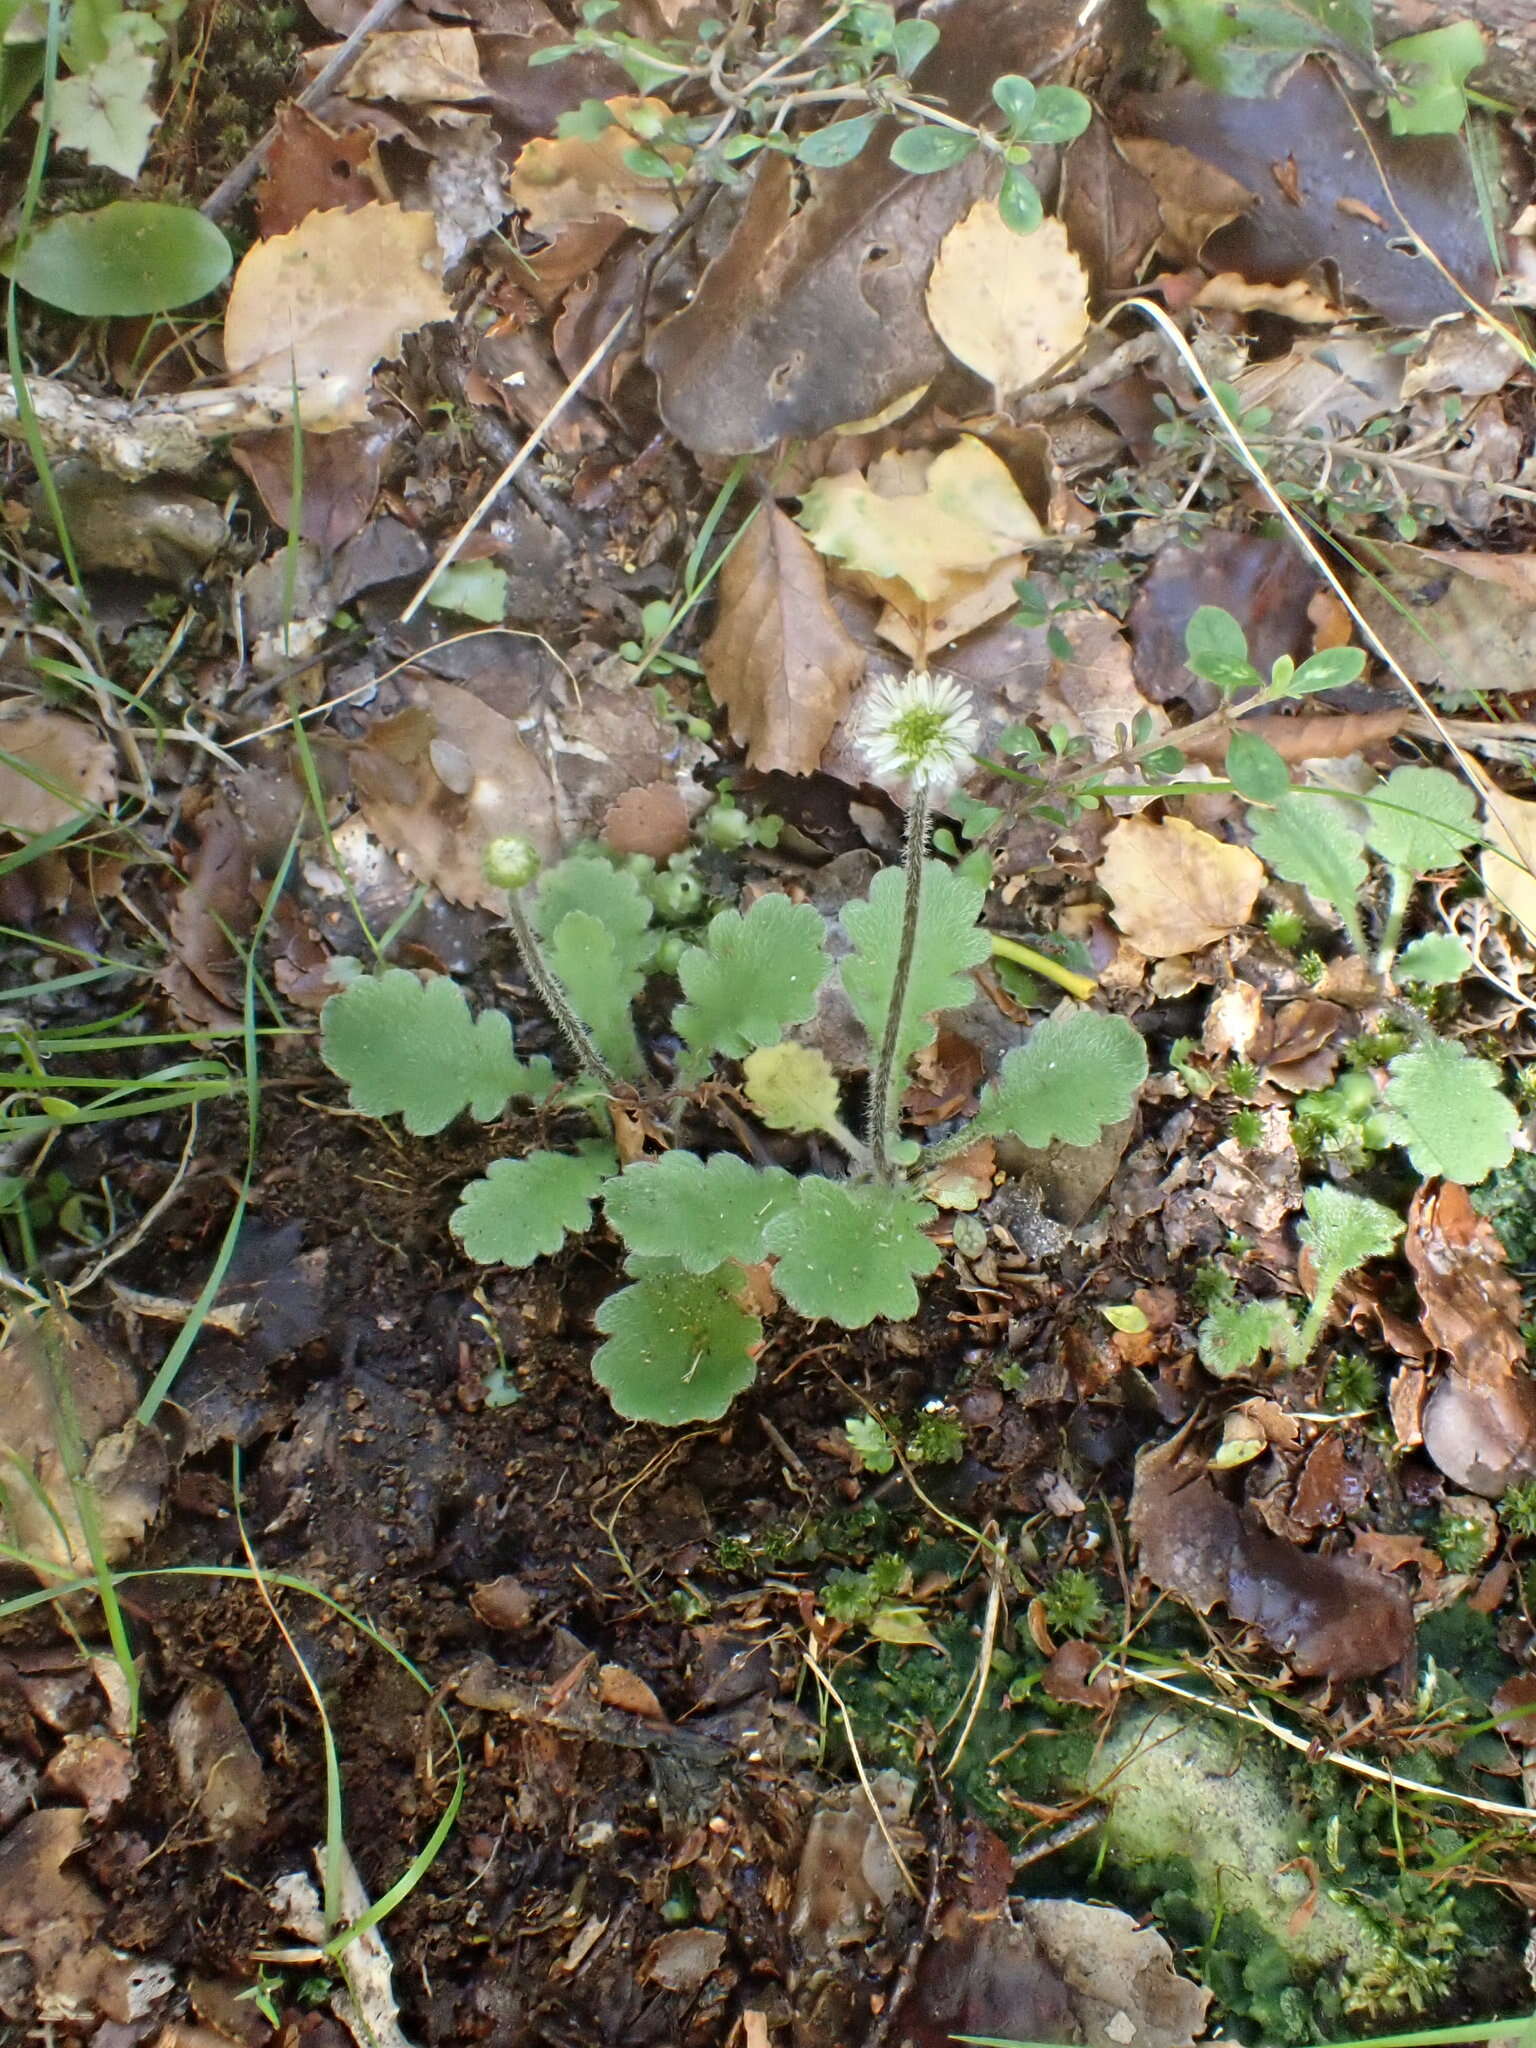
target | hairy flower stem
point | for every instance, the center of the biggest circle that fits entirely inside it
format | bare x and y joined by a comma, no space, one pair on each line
556,1001
884,1102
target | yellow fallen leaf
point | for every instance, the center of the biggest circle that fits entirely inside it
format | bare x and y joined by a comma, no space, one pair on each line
317,308
560,179
1509,858
419,67
924,520
1173,888
1008,306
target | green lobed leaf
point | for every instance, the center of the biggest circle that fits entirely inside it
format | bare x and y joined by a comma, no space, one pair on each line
872,1440
133,257
1216,648
1342,1231
523,1209
680,1347
587,882
585,958
411,1047
838,143
1306,838
852,1253
752,977
1433,961
1433,70
105,110
1447,1110
1233,1338
696,1212
1422,819
1075,1075
930,149
475,590
792,1087
950,941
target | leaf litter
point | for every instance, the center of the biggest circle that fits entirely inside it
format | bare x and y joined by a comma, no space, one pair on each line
854,421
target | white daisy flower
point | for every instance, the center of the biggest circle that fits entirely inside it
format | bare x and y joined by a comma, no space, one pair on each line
920,730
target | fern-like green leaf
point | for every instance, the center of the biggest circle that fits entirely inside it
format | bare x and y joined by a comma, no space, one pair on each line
1234,1337
852,1253
752,977
409,1046
523,1209
1447,1110
586,959
1306,838
1342,1231
680,1346
1075,1075
678,1207
592,885
950,941
1424,819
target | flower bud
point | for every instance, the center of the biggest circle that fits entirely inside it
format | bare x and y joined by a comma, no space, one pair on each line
510,863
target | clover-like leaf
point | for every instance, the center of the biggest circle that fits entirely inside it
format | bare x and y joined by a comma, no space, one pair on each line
1446,1108
1307,839
1075,1075
680,1346
792,1087
409,1046
586,959
1422,819
949,942
522,1209
752,977
696,1212
852,1253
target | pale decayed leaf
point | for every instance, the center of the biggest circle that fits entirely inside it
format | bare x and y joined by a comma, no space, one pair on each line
791,1087
1173,888
57,768
557,180
105,110
922,520
418,67
1008,306
316,309
1509,859
779,659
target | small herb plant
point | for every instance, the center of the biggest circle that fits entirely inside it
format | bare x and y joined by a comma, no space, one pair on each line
682,1335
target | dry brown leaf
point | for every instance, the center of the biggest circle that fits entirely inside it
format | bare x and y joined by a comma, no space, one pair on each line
60,1394
918,629
922,519
419,67
1312,736
442,779
312,168
1094,691
1194,198
779,659
617,1686
317,308
1008,306
1228,292
557,180
1173,888
1470,617
1508,862
651,818
217,1765
60,768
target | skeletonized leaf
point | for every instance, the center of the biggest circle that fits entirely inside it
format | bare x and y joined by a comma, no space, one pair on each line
1008,306
317,308
1173,888
779,658
922,521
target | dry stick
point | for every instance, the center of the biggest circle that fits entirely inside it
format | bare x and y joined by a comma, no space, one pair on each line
224,194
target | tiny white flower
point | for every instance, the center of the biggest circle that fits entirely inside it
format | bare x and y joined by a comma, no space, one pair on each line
920,730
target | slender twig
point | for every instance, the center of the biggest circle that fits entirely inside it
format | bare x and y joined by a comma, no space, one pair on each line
882,1102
